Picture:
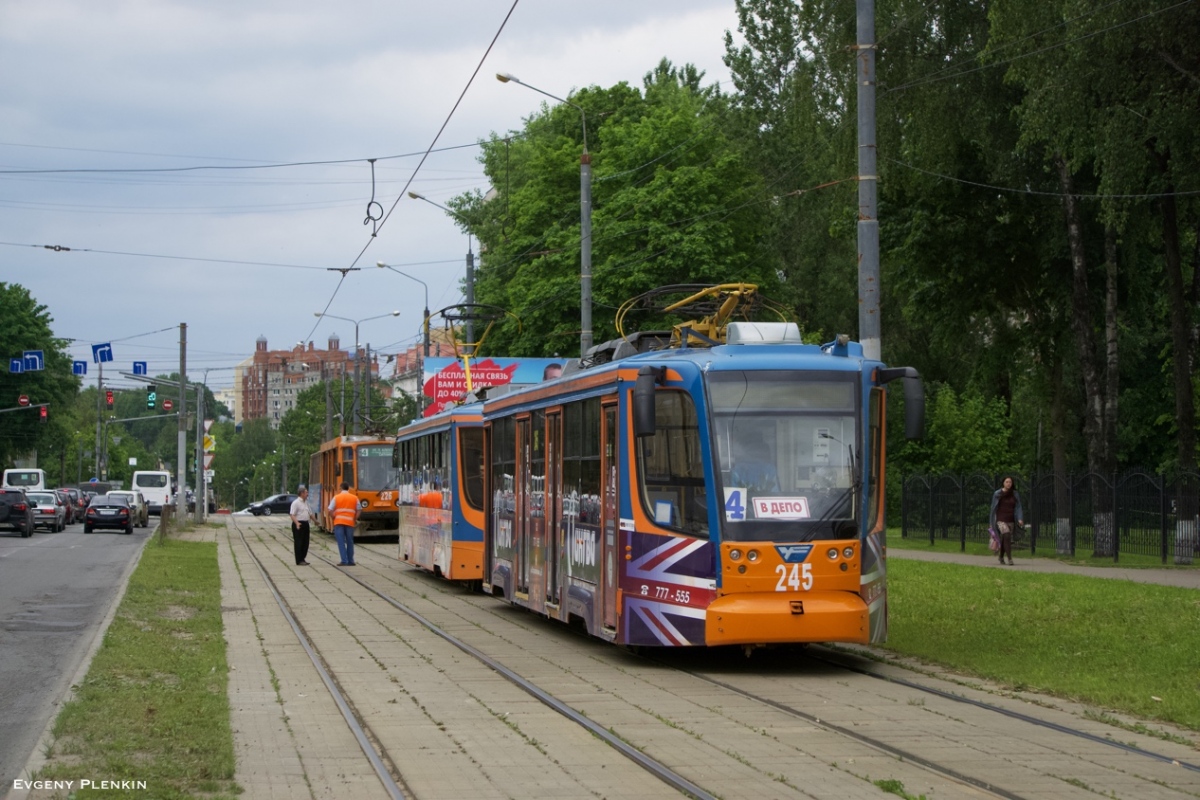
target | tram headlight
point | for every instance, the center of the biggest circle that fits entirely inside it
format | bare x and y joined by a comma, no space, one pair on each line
832,553
735,555
752,555
848,552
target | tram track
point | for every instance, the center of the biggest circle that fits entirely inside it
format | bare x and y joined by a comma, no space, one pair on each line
1028,718
683,709
452,602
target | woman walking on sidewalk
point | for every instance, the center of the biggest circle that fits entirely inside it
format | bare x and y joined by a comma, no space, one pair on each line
1006,515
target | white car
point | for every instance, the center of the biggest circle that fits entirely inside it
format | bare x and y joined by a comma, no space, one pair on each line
48,511
141,510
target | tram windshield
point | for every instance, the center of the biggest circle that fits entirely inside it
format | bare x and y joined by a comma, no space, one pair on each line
787,449
375,471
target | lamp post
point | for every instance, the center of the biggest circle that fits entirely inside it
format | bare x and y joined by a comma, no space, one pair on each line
585,221
356,429
382,265
470,262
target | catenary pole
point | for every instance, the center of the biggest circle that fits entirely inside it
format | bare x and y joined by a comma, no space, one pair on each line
181,462
868,186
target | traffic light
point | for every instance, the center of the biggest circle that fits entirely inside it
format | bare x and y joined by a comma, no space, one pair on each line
151,396
43,414
108,398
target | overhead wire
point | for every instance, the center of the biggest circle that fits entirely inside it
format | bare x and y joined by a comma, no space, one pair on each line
417,168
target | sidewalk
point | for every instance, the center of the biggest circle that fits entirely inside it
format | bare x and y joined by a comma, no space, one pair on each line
1183,577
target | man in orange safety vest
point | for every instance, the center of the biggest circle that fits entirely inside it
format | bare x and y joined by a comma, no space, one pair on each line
344,507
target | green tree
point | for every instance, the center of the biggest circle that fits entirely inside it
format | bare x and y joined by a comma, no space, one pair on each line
25,324
673,202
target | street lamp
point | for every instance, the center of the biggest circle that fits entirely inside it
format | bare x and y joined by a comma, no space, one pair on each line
382,265
357,322
585,221
470,262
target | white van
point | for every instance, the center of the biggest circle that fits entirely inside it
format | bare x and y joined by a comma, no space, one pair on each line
155,486
28,479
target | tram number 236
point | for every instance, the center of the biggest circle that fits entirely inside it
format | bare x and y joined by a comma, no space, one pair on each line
798,577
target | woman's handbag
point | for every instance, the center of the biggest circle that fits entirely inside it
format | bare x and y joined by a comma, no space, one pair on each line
993,540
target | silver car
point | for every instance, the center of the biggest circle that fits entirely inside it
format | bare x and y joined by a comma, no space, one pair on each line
48,511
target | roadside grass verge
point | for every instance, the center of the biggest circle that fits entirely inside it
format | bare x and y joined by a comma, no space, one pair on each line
1119,645
153,706
920,541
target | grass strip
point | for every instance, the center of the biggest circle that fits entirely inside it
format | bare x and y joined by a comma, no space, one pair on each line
1084,557
154,706
1120,645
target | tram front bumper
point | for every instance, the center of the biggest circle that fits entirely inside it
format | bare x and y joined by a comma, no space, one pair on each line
778,617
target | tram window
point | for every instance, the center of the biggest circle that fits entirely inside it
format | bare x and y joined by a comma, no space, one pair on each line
671,466
581,461
504,464
472,465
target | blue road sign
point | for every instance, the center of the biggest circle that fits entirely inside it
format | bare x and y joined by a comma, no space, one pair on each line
139,368
102,353
79,367
35,360
16,365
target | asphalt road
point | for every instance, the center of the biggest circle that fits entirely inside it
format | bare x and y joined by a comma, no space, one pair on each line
55,591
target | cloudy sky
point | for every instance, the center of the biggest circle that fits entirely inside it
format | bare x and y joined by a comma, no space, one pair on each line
207,161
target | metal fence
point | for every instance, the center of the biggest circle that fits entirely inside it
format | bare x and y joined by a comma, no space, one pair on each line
1136,512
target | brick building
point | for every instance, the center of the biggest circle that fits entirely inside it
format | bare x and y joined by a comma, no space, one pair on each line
267,383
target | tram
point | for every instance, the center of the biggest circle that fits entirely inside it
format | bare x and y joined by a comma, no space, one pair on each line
678,495
440,493
363,462
719,483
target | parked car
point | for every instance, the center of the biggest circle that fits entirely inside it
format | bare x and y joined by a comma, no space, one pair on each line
275,504
49,511
138,504
68,505
78,503
16,512
108,512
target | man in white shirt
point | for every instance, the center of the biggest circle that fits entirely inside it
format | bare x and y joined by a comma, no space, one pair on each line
300,517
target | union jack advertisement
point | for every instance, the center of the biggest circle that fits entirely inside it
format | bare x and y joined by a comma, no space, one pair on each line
666,589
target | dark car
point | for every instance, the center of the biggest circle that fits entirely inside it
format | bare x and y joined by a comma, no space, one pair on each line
16,512
275,504
108,512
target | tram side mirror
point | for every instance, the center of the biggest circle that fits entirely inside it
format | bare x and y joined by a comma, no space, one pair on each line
644,421
914,399
396,456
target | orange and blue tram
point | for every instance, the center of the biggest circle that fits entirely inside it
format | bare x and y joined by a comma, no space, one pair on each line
440,493
698,496
363,462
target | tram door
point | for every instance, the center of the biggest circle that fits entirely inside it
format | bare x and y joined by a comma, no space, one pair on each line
609,514
521,514
554,527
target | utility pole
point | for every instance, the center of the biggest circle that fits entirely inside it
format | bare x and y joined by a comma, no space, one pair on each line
181,464
99,413
201,494
868,187
367,381
328,402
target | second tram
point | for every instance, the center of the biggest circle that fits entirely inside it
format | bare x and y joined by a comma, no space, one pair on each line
440,463
363,462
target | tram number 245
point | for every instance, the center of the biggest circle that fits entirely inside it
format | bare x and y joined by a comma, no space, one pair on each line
798,577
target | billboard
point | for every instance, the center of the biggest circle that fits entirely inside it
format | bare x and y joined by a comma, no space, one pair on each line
445,380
